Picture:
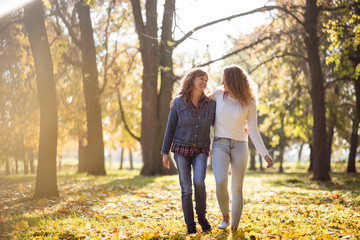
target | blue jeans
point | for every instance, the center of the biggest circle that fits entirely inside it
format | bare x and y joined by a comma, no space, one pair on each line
199,164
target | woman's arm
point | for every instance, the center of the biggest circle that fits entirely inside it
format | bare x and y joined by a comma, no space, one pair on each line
170,129
255,134
213,95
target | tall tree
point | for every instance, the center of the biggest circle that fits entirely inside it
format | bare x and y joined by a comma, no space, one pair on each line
152,122
345,59
321,165
46,185
95,147
306,26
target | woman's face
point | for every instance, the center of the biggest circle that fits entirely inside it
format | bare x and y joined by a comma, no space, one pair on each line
223,83
200,83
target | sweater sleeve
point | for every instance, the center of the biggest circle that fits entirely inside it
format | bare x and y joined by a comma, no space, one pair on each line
215,94
212,95
254,131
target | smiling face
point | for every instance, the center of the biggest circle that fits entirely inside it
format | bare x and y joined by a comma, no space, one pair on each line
200,83
224,84
194,80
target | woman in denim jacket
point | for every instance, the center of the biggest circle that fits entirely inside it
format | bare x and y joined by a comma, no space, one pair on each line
188,137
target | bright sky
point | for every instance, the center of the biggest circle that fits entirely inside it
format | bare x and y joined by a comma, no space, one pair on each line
10,5
192,13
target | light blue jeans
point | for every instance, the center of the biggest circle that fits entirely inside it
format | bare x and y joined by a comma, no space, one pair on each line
227,151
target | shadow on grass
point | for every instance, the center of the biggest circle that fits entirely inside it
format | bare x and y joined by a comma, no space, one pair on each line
339,181
129,184
75,202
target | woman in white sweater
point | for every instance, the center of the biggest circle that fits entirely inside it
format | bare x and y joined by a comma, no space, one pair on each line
235,108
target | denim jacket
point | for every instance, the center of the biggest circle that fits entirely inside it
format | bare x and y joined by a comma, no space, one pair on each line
187,129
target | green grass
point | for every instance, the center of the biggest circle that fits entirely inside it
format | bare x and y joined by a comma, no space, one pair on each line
124,205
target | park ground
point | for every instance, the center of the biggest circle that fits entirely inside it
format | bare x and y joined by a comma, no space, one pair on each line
124,205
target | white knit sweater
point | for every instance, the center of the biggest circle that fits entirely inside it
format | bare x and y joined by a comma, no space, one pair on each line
231,118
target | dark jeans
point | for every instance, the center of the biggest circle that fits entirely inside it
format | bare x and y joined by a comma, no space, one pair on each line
184,168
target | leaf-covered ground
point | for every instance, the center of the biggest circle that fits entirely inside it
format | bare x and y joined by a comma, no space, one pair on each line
124,205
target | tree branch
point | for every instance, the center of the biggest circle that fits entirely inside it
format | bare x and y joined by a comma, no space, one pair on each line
235,52
123,118
169,9
345,79
257,10
68,26
263,63
72,62
291,14
106,47
285,54
261,9
139,22
3,28
329,9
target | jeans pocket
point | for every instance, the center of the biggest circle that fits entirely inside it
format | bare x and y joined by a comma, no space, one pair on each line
217,139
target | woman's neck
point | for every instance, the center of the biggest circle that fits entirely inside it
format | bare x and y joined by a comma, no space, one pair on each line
195,97
231,95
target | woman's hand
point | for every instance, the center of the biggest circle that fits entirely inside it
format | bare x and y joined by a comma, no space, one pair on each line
171,104
269,161
166,161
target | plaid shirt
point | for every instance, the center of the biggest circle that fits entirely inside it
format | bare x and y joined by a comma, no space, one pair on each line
189,151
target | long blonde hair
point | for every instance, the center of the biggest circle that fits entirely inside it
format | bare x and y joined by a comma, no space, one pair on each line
187,83
239,84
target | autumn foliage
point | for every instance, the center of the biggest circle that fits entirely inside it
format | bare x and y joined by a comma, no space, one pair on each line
125,205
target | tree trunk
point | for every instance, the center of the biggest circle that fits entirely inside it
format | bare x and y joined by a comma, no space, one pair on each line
150,124
23,153
59,166
153,117
330,141
311,167
121,158
82,167
357,94
356,117
351,168
109,159
321,163
46,185
167,82
300,152
95,149
7,167
26,164
332,119
131,159
16,165
260,162
281,159
252,159
31,161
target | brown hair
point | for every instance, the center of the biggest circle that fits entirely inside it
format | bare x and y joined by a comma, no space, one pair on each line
239,84
187,82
